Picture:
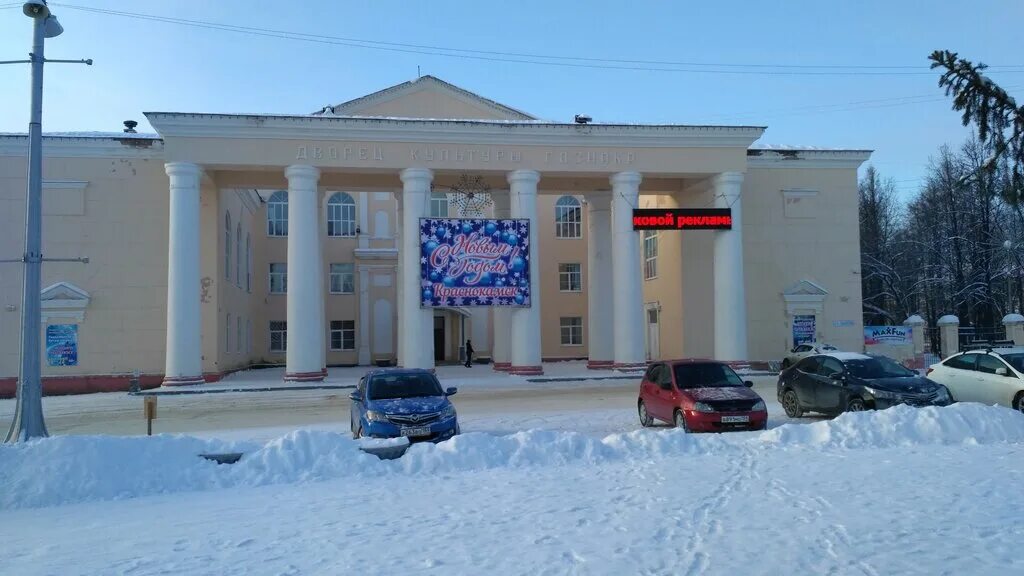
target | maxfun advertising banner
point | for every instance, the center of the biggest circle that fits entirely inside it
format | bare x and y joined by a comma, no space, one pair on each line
875,335
62,344
474,262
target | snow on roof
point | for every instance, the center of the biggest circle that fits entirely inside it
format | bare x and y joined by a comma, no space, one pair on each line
107,135
847,356
498,121
998,349
789,148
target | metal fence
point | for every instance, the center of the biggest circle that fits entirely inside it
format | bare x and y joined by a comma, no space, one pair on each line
971,334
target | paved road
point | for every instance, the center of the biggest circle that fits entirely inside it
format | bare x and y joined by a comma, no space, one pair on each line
602,408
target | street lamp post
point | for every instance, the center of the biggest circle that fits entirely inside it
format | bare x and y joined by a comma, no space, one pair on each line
28,416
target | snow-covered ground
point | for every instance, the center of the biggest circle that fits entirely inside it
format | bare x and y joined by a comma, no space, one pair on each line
904,491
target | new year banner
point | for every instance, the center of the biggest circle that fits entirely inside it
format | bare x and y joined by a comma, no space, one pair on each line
474,262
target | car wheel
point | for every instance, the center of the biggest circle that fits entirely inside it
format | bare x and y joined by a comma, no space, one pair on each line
1018,402
680,421
791,404
856,405
358,433
645,418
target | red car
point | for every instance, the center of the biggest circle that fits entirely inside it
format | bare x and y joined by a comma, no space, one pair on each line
699,396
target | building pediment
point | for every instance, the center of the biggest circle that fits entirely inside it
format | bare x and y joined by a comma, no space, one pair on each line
804,296
426,97
64,300
805,288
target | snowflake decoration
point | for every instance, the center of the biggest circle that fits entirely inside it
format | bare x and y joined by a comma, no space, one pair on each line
470,196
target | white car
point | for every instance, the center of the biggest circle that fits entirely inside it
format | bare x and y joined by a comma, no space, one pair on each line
988,376
801,351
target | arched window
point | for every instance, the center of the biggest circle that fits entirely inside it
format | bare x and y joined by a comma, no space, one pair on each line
238,255
438,205
341,215
248,263
227,245
568,218
277,214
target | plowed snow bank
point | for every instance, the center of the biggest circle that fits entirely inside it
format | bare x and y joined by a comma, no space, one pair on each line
70,469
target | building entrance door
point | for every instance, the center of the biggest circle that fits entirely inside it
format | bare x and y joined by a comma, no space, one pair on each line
653,344
439,338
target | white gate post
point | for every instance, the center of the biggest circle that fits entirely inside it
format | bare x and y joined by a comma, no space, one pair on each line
949,335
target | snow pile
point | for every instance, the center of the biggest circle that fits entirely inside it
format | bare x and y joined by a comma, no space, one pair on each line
965,423
66,469
69,469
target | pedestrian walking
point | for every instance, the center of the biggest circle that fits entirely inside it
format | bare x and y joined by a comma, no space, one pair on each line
469,354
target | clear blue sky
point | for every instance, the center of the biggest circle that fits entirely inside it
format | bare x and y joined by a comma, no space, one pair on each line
143,65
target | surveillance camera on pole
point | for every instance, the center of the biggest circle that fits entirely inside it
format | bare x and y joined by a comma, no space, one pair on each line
28,416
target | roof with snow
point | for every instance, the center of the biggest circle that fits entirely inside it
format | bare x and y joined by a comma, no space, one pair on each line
88,135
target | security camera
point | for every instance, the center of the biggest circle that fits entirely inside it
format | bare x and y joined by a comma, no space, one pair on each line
35,9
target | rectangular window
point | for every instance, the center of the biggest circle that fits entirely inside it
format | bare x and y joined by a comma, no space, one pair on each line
227,335
572,331
570,279
278,336
238,334
248,264
438,205
279,278
342,278
650,254
277,218
343,335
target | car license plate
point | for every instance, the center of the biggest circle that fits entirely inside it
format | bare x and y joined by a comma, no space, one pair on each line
421,431
735,419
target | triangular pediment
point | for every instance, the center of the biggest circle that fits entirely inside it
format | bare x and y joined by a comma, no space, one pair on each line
426,97
63,291
805,288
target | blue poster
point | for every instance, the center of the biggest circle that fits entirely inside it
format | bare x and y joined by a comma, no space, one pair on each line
62,344
803,329
467,262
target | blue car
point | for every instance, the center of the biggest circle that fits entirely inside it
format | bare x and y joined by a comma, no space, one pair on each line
403,403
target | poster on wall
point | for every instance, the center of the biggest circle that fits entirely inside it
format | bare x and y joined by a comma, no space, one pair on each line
62,344
876,335
803,329
474,262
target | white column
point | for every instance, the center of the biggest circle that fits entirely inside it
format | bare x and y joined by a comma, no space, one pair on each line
305,282
415,324
398,275
322,279
501,353
184,355
364,219
730,297
600,303
364,316
526,334
627,277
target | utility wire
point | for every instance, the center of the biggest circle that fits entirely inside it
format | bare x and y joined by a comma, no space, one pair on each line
544,60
